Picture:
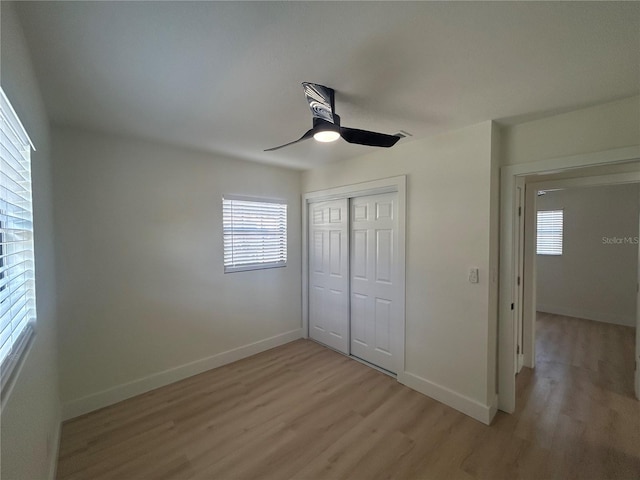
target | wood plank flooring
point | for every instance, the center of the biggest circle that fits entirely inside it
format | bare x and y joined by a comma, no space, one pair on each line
302,411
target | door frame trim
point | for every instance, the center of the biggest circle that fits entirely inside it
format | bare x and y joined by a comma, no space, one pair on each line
385,185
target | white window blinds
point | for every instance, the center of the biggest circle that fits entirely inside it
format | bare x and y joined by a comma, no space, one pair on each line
549,238
17,283
255,233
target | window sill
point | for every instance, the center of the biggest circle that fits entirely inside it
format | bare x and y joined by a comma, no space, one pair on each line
247,268
10,369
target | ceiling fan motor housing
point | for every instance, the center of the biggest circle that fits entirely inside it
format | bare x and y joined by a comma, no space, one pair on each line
320,124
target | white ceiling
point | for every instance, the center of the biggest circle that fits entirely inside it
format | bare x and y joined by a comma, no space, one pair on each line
225,77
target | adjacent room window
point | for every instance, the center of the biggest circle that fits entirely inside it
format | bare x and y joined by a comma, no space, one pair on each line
17,282
549,238
255,233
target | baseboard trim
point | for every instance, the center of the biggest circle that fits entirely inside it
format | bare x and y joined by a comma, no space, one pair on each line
462,403
118,393
589,315
493,408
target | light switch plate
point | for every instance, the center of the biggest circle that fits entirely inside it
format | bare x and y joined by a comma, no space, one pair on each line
473,275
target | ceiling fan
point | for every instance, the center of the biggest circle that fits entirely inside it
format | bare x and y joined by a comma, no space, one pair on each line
326,123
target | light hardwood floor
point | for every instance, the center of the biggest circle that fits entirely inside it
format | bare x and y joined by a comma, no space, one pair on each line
302,411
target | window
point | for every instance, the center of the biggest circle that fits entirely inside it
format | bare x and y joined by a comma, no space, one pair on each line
549,232
255,233
17,283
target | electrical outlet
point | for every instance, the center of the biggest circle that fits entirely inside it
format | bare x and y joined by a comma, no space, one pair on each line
473,275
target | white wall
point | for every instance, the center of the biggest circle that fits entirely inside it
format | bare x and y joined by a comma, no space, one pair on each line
450,323
594,129
143,297
31,416
591,279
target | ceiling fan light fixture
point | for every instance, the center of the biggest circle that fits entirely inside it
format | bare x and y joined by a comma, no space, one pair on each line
326,123
326,136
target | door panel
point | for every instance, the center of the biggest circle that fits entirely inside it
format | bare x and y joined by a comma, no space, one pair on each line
329,274
519,304
637,377
336,252
359,255
358,316
383,325
374,282
384,255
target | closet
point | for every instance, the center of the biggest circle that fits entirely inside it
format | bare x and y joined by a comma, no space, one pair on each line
355,277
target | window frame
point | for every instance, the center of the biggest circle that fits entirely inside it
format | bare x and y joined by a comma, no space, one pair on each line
260,265
2,260
19,141
550,250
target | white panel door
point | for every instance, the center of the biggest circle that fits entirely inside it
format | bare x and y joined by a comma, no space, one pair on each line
519,303
329,274
637,377
374,279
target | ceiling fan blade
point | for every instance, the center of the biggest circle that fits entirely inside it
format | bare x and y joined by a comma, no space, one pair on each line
364,137
321,100
309,134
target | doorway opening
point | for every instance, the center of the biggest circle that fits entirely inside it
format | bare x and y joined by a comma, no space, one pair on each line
518,287
585,268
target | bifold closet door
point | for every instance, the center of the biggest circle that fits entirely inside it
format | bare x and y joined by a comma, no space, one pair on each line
374,279
329,273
